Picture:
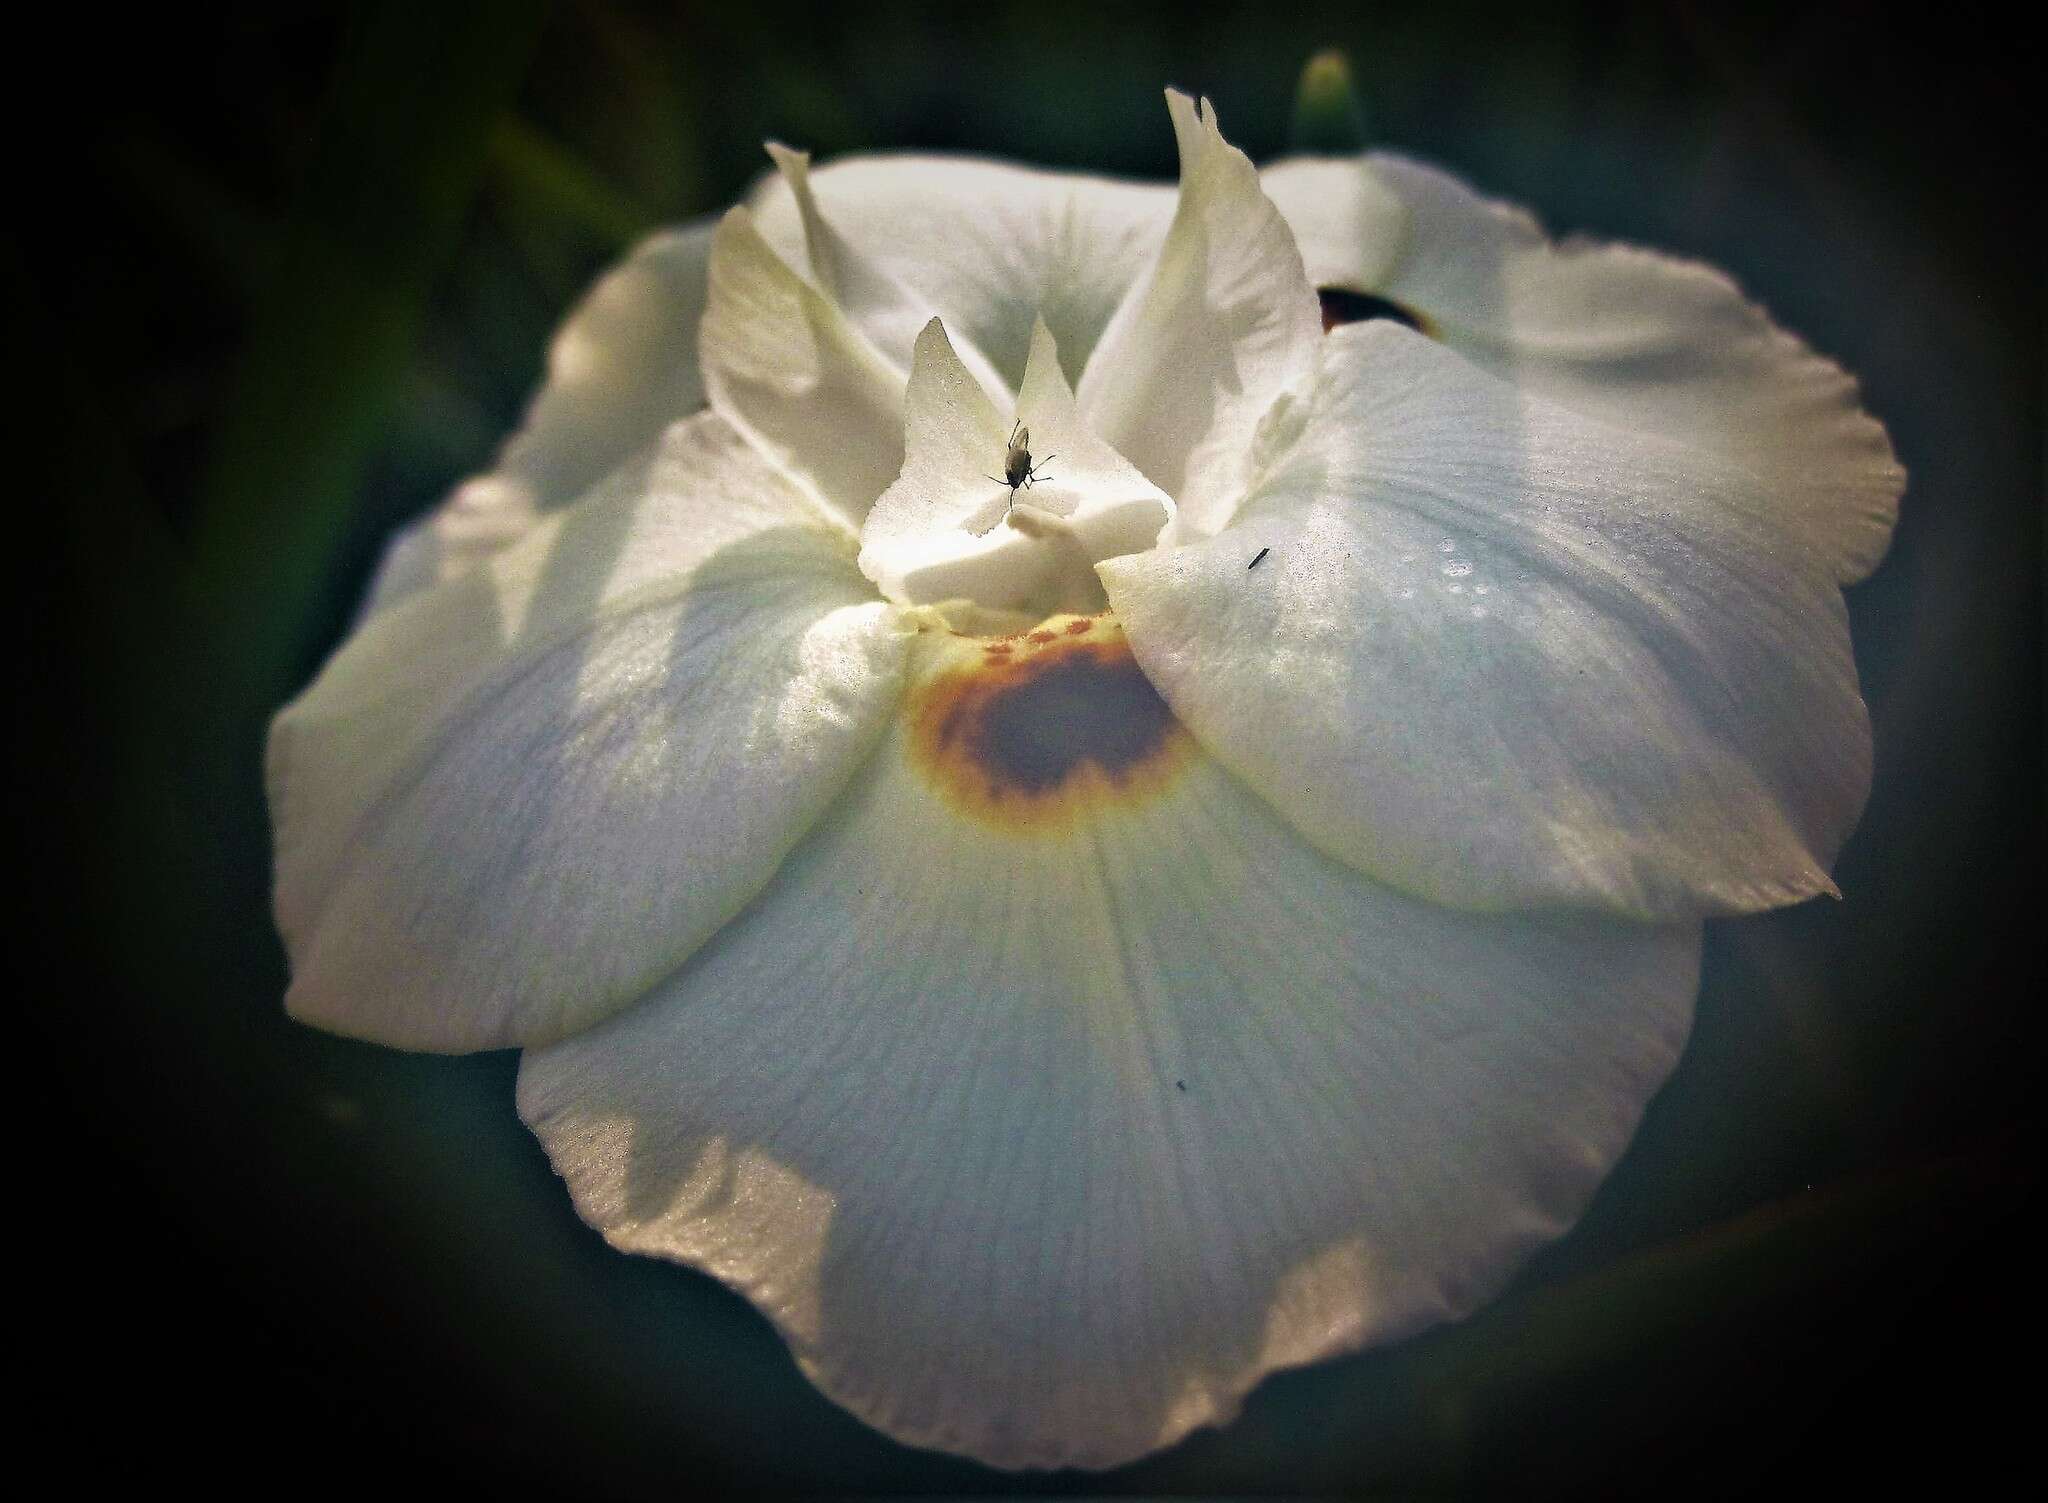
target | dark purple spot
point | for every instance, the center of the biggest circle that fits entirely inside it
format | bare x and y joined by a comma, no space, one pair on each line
1087,707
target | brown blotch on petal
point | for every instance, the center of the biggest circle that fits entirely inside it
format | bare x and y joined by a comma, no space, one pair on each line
1030,743
1342,306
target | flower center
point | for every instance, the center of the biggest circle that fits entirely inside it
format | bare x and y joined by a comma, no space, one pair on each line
1030,554
1003,515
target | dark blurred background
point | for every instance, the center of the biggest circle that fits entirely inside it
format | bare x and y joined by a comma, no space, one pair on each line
283,272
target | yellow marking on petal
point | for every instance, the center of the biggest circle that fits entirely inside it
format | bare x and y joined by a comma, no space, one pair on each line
1031,732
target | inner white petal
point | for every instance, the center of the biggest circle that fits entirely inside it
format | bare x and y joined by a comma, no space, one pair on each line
879,305
957,527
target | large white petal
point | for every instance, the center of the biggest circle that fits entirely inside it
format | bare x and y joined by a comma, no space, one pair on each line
1637,339
1223,323
985,246
1502,655
622,367
789,370
512,802
1043,1125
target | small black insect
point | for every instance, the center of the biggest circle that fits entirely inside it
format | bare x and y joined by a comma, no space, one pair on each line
1182,1084
1255,562
1018,470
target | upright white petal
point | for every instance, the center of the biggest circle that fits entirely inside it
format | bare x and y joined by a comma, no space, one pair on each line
1210,338
512,802
1057,1091
1502,655
1637,339
622,367
986,246
787,368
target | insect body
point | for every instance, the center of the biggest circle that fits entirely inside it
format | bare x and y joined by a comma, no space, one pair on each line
1018,470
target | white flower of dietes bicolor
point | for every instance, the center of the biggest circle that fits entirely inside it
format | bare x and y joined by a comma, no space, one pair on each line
1066,951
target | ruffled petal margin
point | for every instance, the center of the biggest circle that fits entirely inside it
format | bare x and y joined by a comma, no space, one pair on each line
1628,336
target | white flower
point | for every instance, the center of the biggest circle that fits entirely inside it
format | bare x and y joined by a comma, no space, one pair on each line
1064,953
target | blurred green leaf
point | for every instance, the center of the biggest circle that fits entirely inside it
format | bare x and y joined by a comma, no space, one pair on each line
1670,1297
552,180
407,133
230,240
647,137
